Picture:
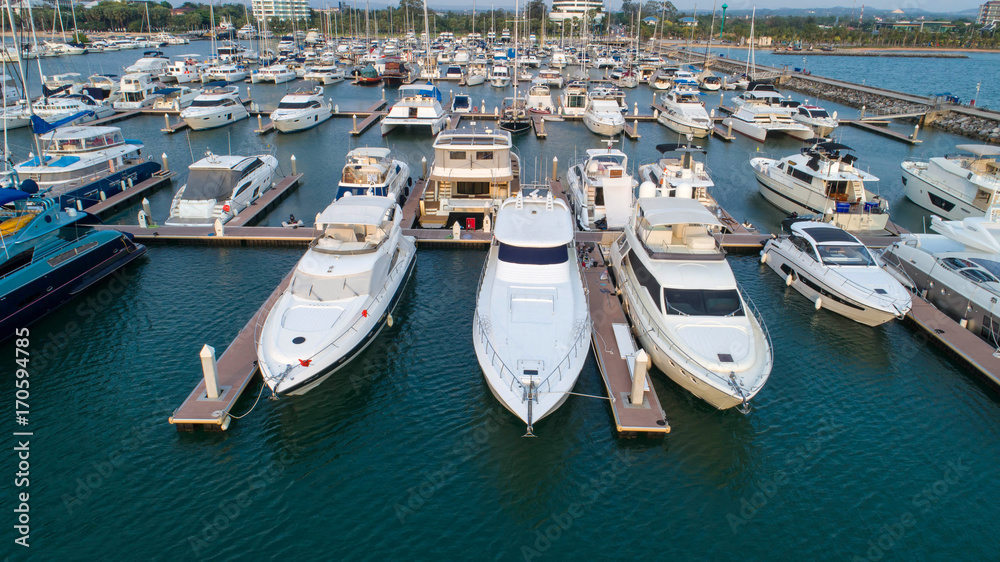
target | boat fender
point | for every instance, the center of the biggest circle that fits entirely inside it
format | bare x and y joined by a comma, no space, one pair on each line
409,182
763,257
789,280
819,303
388,320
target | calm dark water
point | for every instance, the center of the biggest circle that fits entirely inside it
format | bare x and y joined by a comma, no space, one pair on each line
865,442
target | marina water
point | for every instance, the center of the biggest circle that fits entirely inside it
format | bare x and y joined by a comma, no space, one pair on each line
866,443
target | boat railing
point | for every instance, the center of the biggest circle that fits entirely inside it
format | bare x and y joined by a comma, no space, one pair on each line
760,321
884,300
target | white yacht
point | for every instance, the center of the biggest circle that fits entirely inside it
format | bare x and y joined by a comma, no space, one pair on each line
301,110
63,83
685,305
761,110
152,63
475,76
138,91
500,76
78,153
54,108
374,171
539,98
325,74
823,180
417,105
215,107
574,99
709,82
342,293
954,186
682,176
551,78
176,98
662,78
531,329
836,271
603,116
277,73
817,118
219,187
601,189
225,73
474,170
185,69
684,113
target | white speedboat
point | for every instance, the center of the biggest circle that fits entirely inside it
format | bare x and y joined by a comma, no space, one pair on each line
461,103
685,305
185,69
500,76
176,98
277,73
325,74
417,105
374,171
684,113
54,108
954,186
836,271
215,107
710,82
761,110
539,98
531,329
341,294
219,187
604,117
601,189
823,180
663,78
300,110
138,91
817,118
475,76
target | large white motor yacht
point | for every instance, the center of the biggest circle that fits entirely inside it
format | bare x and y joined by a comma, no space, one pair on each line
138,91
176,98
836,271
954,186
219,187
574,99
500,76
761,111
418,106
684,176
601,189
225,73
823,180
215,107
54,108
152,63
604,117
300,110
374,171
187,68
539,98
685,113
685,305
277,73
341,294
551,78
531,329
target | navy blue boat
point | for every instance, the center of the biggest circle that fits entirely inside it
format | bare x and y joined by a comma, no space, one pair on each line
48,256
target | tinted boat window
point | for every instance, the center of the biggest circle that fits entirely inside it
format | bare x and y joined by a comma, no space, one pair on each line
698,302
533,256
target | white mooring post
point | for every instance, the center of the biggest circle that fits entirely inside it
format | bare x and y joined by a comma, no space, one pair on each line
423,167
916,129
456,231
355,129
145,207
635,109
294,169
260,124
639,378
555,168
210,370
166,162
487,223
166,119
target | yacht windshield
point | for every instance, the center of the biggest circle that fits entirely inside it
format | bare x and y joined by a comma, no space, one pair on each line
210,184
533,256
843,254
297,104
316,288
206,103
699,302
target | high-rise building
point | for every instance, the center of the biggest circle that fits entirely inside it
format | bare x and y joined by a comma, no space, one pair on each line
989,13
281,9
569,9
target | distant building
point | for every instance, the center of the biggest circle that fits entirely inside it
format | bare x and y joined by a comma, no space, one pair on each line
989,13
688,22
281,9
918,26
181,11
651,20
569,9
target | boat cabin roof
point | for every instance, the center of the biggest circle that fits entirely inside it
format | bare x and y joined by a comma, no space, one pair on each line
473,137
822,233
66,133
665,211
368,155
980,149
357,209
529,222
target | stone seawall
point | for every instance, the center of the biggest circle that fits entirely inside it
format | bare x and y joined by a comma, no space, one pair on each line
941,117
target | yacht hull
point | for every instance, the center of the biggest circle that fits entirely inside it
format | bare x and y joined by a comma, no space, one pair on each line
215,120
301,123
602,128
935,199
681,127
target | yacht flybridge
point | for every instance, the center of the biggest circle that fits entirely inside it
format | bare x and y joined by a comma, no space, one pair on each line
531,330
341,295
374,171
601,189
836,271
419,106
823,180
685,305
474,170
682,176
219,187
955,186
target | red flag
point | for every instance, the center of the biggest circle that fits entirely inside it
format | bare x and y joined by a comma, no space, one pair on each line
305,362
364,313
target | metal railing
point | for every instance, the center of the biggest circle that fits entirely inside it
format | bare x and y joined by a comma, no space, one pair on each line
885,301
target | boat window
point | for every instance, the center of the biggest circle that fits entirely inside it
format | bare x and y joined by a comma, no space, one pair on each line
484,155
799,174
210,184
205,103
802,244
644,277
991,266
533,256
472,188
314,287
702,302
251,167
819,113
296,104
978,276
842,254
837,189
456,155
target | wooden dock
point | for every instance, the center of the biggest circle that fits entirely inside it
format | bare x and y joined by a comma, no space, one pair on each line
412,207
959,341
454,120
117,202
265,202
632,130
615,351
118,116
724,133
884,131
538,124
236,369
174,127
263,129
367,123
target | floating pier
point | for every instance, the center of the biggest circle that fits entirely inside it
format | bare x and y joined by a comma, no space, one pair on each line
265,202
118,116
959,341
367,123
872,127
229,377
119,201
173,127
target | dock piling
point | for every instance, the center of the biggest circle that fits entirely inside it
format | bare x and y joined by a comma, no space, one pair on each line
635,108
355,119
639,377
210,370
219,229
487,223
456,231
145,207
423,167
260,123
166,119
916,129
555,168
294,171
166,163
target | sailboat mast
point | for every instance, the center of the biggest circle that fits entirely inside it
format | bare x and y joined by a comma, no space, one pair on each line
76,30
20,68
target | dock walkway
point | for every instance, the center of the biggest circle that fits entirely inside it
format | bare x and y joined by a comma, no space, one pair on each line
265,202
117,202
959,341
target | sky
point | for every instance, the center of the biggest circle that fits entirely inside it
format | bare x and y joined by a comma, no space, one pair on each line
706,5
